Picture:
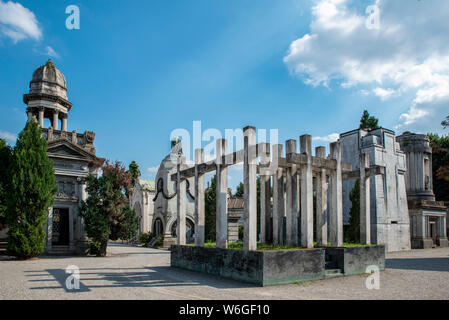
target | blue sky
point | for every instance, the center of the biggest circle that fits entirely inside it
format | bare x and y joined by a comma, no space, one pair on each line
136,70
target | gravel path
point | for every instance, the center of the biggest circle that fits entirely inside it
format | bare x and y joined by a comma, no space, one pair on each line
141,273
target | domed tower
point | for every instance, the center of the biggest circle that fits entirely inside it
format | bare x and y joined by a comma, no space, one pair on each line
73,155
47,98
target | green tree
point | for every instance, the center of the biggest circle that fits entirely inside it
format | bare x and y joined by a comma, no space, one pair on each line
240,190
106,211
353,231
210,211
31,193
445,122
440,166
135,172
5,161
368,122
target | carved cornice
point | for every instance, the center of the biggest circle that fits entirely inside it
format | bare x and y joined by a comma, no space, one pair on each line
42,96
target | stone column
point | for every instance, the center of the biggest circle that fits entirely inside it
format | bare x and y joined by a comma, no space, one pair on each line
291,210
265,195
365,224
41,117
29,115
306,193
321,201
278,196
336,201
250,187
199,199
181,207
221,196
55,120
265,206
64,122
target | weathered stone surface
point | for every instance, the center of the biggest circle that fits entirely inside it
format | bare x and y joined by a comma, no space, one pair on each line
263,268
355,260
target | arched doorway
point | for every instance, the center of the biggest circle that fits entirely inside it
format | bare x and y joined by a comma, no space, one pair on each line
190,230
158,227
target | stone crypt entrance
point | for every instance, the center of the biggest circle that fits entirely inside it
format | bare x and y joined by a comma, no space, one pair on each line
60,232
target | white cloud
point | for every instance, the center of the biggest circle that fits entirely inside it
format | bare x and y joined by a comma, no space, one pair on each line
51,52
18,22
408,55
384,94
8,136
152,171
329,138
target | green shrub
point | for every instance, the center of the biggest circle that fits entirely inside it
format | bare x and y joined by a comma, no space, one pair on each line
94,247
160,241
145,238
241,232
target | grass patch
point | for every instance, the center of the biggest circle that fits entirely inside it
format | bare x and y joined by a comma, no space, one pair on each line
275,247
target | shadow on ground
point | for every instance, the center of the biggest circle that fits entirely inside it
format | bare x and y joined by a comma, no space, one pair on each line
425,264
148,277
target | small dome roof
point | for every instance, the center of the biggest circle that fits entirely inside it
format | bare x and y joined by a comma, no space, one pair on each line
49,73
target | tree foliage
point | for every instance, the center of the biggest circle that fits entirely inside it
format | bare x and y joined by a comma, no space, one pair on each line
352,233
210,211
445,122
440,166
135,172
5,161
240,190
368,122
106,212
30,195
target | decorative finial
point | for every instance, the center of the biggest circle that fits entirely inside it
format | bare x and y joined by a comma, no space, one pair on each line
50,64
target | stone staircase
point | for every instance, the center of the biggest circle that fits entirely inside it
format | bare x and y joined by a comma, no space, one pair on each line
331,268
3,244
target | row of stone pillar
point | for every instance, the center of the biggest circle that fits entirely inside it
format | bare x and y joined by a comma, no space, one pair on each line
293,193
55,118
290,197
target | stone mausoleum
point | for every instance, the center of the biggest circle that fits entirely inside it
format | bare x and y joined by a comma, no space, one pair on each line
73,155
142,202
390,223
164,218
428,217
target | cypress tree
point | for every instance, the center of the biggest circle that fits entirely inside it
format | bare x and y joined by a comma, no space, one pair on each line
31,193
353,231
5,161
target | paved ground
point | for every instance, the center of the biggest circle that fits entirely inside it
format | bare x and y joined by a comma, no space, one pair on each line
141,273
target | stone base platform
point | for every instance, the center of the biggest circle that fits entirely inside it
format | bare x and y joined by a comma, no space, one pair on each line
267,268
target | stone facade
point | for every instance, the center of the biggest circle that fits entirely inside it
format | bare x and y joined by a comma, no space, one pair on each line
165,200
73,157
390,223
142,202
428,217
